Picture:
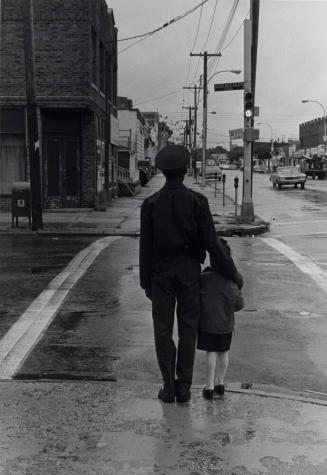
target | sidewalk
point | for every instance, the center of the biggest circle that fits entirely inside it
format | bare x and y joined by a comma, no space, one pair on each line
122,216
121,428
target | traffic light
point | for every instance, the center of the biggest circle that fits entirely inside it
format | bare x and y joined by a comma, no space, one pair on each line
248,104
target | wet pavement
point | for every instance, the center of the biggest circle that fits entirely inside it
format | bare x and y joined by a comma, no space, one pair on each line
27,265
122,429
114,424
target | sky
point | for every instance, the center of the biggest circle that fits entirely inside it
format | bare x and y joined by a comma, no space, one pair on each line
291,62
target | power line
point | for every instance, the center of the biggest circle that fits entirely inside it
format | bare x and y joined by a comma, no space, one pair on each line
206,41
214,62
143,36
194,42
159,97
237,32
213,16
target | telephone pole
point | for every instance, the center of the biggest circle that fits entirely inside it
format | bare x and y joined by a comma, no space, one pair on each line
195,88
205,56
250,59
32,120
190,108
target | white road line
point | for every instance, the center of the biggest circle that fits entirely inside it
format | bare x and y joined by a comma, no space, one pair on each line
306,265
286,223
22,337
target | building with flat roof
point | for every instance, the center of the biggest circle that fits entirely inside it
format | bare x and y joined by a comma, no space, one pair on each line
75,63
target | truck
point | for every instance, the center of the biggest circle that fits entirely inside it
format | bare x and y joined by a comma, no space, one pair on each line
314,167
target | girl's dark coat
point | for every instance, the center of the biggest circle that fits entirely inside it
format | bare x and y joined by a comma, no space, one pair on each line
217,303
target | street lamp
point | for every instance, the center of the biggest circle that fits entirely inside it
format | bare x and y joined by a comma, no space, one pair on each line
205,118
271,135
304,101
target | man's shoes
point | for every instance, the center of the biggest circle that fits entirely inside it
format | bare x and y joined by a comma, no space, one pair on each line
219,389
166,396
183,395
207,393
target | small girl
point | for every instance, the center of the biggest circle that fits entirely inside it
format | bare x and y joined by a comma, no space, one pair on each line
218,300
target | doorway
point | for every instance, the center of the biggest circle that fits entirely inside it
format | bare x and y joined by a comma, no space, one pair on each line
62,172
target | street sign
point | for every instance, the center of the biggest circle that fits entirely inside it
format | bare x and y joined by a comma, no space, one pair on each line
236,134
251,134
228,86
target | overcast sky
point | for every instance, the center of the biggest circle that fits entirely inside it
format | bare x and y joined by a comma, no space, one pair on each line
291,61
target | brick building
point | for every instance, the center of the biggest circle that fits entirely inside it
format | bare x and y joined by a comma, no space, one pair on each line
312,137
75,58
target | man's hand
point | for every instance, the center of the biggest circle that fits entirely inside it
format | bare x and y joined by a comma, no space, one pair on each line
148,294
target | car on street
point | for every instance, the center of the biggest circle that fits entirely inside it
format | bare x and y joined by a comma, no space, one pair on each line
144,167
259,169
212,170
288,176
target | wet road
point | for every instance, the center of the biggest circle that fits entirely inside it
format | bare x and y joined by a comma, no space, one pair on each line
103,330
27,265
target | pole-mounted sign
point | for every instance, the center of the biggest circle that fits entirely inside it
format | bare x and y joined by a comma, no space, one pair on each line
228,86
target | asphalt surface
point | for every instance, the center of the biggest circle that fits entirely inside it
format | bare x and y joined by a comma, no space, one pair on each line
121,428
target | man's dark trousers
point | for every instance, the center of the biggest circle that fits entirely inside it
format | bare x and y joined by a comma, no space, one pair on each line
177,282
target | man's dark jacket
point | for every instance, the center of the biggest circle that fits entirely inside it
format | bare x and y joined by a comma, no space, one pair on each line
176,221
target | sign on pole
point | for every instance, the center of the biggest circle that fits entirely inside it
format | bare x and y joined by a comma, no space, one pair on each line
236,134
228,86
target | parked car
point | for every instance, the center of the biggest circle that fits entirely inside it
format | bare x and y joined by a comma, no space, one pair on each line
144,168
259,169
211,170
288,176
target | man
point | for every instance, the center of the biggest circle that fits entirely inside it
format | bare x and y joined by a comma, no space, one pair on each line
176,231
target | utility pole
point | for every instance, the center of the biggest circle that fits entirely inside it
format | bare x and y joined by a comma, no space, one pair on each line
190,123
250,55
32,122
205,56
195,88
195,108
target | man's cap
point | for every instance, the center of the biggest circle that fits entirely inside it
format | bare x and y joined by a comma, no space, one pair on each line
172,157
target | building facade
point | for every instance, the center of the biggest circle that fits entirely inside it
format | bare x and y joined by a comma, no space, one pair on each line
311,136
132,135
152,135
75,63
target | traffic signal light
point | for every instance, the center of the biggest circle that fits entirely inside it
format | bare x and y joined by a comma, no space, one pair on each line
248,104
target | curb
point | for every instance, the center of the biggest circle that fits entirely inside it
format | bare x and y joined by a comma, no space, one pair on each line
241,230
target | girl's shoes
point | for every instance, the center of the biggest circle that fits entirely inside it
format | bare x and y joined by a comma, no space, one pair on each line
207,393
219,389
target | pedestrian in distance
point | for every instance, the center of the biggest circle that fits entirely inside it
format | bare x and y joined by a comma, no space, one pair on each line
176,231
220,298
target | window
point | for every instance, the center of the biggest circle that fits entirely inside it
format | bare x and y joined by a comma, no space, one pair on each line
94,56
12,148
114,86
102,66
108,78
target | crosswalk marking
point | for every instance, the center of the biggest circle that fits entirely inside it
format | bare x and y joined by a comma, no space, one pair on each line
22,337
306,265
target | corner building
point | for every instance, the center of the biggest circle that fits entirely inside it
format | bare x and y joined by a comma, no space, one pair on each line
75,62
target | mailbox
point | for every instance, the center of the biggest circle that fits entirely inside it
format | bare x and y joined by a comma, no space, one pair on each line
21,201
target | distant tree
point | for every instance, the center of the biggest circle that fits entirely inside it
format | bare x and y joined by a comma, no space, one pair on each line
164,127
262,149
218,149
235,154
